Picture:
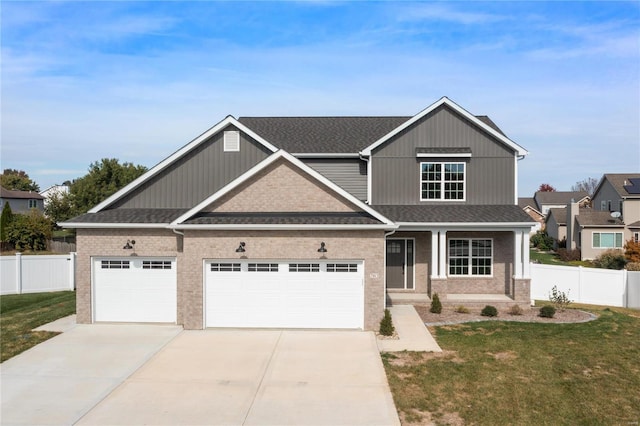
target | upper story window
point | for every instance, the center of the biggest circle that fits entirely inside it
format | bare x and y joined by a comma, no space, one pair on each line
442,181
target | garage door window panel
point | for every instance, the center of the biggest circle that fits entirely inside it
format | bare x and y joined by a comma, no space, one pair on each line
225,267
263,267
114,264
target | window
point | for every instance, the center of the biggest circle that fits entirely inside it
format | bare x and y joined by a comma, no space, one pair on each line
607,240
603,205
304,267
263,267
114,264
636,236
156,264
394,246
342,267
442,181
33,204
472,257
225,267
232,141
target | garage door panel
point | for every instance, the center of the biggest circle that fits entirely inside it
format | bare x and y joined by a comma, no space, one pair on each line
286,298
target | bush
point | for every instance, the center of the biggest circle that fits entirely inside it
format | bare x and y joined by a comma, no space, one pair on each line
29,231
560,299
436,306
569,255
489,311
542,241
386,324
515,310
547,311
632,251
633,266
610,259
462,309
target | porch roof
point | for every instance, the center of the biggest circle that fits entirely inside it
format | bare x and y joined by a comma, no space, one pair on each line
455,213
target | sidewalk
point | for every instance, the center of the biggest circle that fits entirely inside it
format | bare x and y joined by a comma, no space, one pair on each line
413,334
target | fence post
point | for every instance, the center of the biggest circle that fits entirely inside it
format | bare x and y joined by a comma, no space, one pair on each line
18,273
625,286
72,270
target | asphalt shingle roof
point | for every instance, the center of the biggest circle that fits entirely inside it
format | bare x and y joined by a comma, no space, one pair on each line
455,213
161,216
277,218
589,217
524,202
618,181
9,193
559,197
559,214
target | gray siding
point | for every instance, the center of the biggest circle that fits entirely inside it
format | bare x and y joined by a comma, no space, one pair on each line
197,175
348,173
490,172
21,205
606,193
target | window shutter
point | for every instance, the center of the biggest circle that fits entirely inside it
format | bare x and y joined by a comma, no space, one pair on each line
231,141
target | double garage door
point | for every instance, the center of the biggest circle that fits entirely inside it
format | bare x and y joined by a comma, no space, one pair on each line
264,294
284,294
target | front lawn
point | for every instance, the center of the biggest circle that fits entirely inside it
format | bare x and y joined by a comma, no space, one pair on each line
21,313
551,258
508,373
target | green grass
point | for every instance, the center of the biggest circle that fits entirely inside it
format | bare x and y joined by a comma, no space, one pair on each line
505,373
551,258
21,313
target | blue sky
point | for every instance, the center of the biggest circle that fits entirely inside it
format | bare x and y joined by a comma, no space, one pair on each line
137,80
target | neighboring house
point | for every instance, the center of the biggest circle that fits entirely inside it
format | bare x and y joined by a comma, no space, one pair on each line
308,222
21,201
54,190
556,224
546,200
531,208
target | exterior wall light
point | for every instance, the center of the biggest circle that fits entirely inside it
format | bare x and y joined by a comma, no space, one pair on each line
240,248
129,245
322,248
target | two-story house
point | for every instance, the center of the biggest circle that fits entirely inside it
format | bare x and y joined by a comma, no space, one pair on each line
21,201
310,222
613,219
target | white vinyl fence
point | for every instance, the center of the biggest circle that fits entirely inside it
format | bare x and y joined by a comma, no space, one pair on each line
35,274
587,285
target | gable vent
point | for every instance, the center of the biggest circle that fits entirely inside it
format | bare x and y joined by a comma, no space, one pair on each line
231,141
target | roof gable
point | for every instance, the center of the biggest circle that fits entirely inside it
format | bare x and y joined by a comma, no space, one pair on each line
481,123
627,185
560,197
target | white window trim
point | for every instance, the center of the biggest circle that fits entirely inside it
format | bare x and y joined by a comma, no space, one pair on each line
232,141
442,182
614,240
469,275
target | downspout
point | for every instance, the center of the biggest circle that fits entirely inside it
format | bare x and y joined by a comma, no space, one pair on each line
180,242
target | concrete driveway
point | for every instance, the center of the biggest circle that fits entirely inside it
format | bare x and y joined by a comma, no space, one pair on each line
129,374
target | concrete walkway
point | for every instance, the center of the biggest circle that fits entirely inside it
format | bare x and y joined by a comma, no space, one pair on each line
413,334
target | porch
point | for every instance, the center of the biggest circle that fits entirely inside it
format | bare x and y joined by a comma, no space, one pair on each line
470,300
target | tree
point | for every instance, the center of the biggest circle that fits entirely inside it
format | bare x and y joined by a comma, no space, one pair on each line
29,231
632,251
18,180
545,187
5,220
104,178
588,185
59,207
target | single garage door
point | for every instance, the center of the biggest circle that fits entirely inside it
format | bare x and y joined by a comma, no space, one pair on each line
284,294
134,289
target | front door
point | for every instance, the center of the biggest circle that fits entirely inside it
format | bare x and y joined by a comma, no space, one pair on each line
399,268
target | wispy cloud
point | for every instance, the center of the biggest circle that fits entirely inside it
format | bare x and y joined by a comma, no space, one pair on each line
448,13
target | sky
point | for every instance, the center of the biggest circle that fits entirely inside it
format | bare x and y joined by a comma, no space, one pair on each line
81,81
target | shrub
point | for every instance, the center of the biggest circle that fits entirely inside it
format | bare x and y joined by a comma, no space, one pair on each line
5,219
386,324
436,306
560,299
542,241
569,255
515,310
547,311
610,259
632,251
29,231
489,311
633,266
462,309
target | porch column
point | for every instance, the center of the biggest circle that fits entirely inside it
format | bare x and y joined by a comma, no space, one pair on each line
443,254
526,270
435,264
517,254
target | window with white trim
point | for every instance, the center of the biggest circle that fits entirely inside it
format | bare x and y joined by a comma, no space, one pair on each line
304,267
263,267
114,264
470,257
156,264
442,181
225,267
33,204
636,237
606,240
231,141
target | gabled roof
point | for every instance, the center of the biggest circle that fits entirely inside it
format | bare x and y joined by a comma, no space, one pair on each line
228,121
23,195
122,217
559,197
481,123
524,202
597,218
183,220
627,185
559,214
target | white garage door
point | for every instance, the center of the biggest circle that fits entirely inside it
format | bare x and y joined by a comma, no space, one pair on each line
281,294
134,289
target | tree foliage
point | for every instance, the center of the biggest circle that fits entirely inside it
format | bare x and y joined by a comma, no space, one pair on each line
5,220
632,251
29,231
588,185
545,187
105,177
18,180
59,207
